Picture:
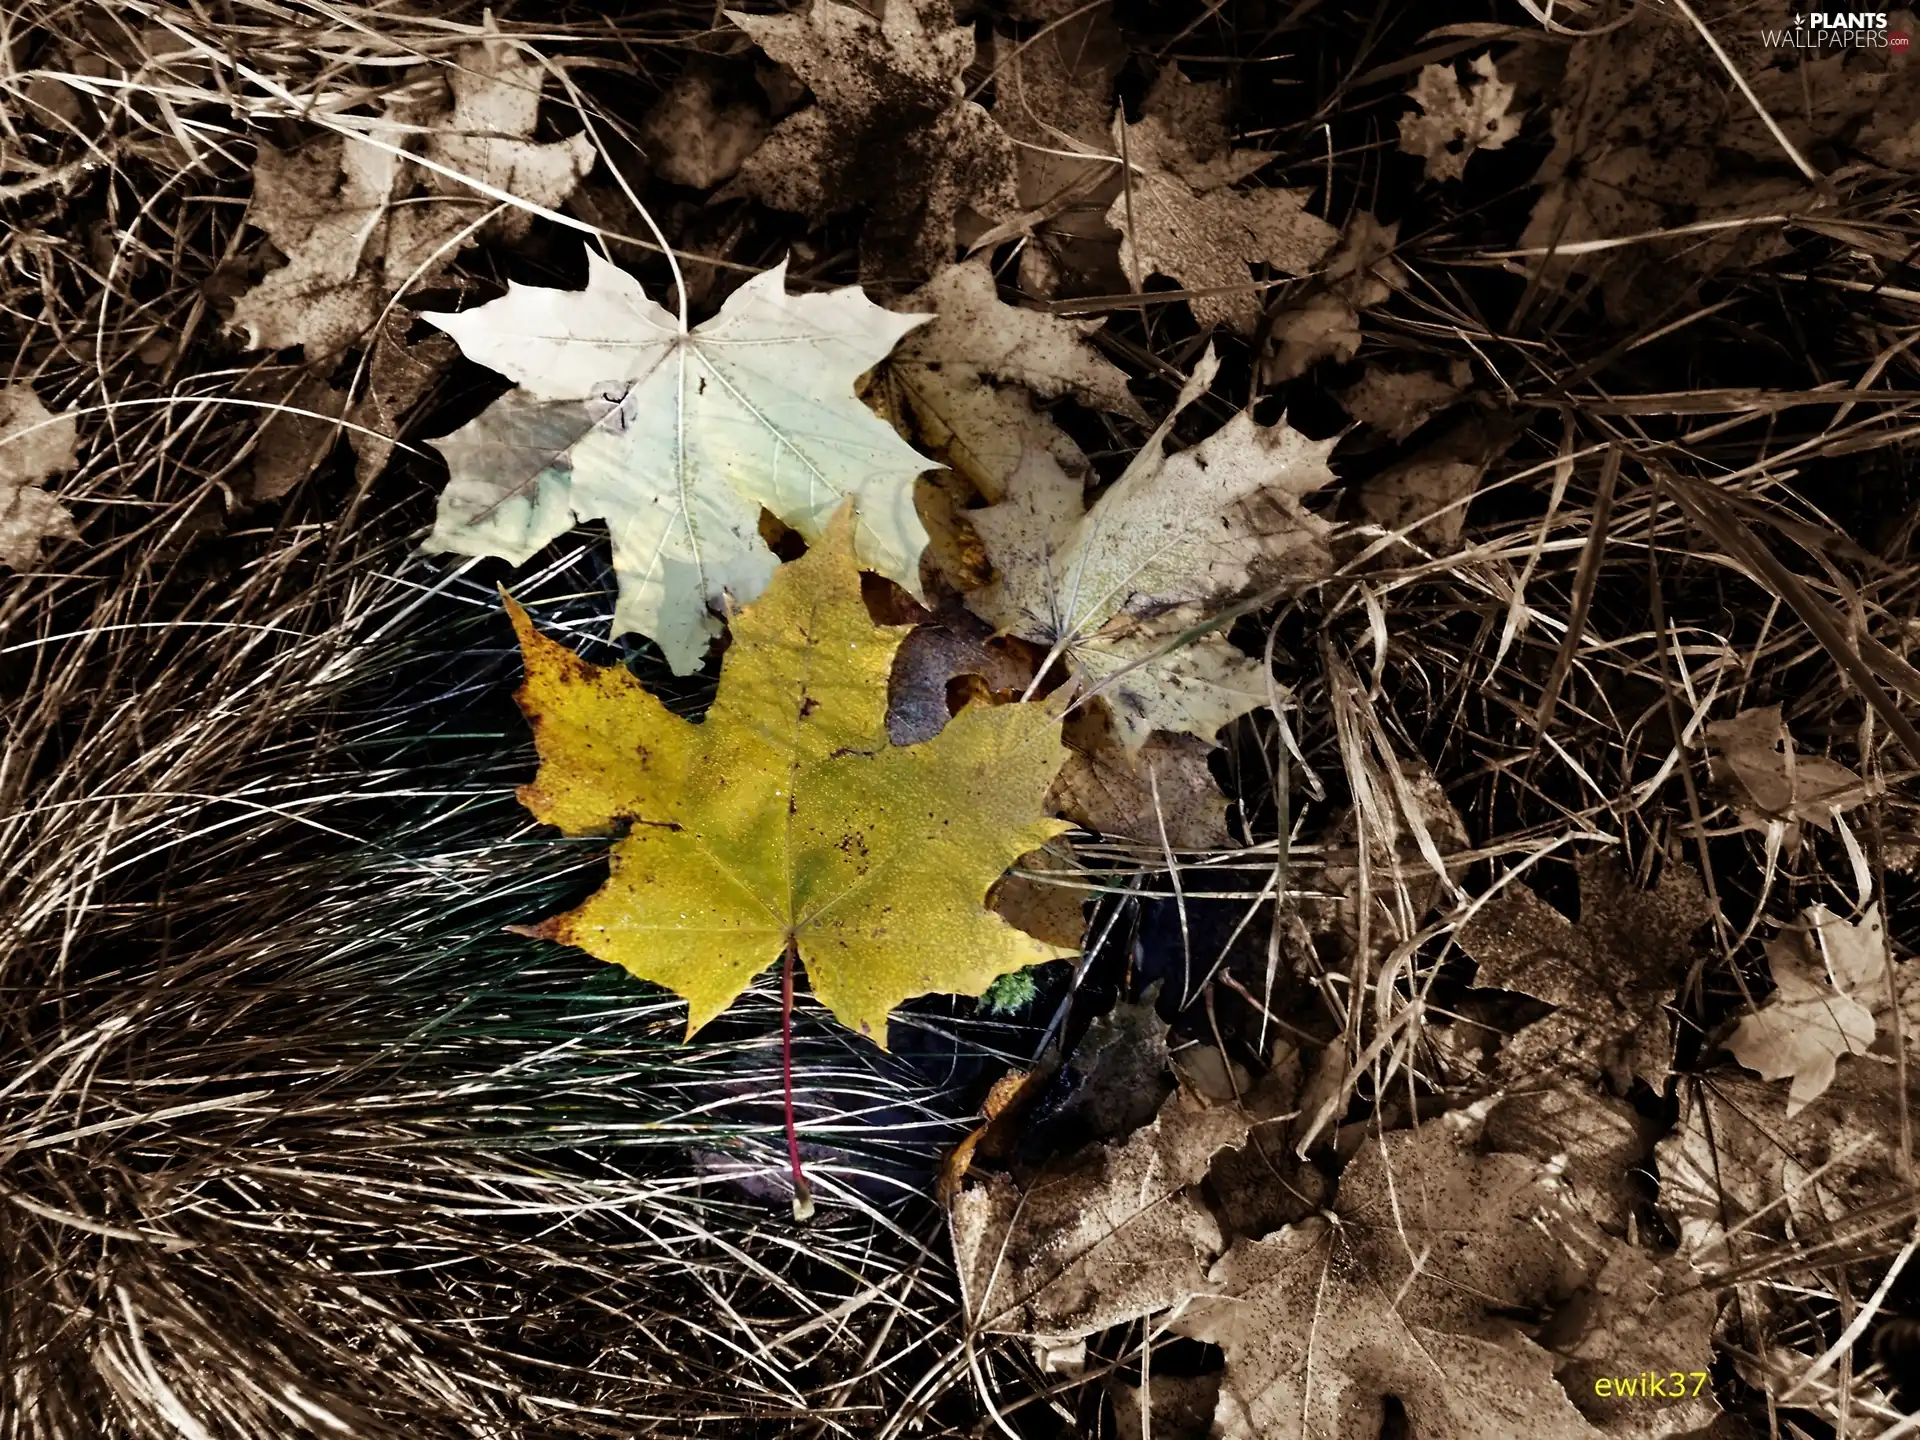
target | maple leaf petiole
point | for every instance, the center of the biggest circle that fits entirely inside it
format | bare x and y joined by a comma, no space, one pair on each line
802,1192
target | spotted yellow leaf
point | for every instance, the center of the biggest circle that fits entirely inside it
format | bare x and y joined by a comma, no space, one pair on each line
785,818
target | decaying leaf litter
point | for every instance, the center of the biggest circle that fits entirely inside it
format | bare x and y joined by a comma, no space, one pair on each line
1489,895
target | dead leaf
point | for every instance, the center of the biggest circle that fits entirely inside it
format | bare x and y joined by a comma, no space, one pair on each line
1053,94
1399,402
1734,1166
398,375
699,133
1428,493
334,207
1816,1014
1459,117
1180,1407
1644,1314
1263,1184
1180,217
1403,1292
1048,900
1326,324
1167,783
1593,1140
1610,975
1117,1073
1116,1233
1004,1098
1174,539
291,442
933,656
1404,884
966,377
1772,781
35,445
1650,133
889,129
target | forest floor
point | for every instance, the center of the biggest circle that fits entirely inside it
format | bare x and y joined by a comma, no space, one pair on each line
1380,539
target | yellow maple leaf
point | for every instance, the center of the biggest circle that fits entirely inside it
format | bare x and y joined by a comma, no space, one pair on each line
785,819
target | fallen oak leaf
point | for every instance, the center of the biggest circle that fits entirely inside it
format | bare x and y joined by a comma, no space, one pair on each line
1650,132
784,822
35,445
1174,539
678,439
1457,118
889,129
1179,216
392,378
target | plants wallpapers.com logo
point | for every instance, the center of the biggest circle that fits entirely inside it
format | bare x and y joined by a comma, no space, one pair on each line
1838,29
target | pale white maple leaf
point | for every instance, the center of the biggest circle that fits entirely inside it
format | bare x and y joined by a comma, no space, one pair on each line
1175,539
1458,118
1811,1020
678,439
35,444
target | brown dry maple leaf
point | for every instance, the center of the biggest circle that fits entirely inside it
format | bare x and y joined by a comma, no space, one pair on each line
1457,118
1610,975
1404,1290
1116,1233
35,445
343,212
1053,94
1181,217
889,129
1771,780
1651,132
